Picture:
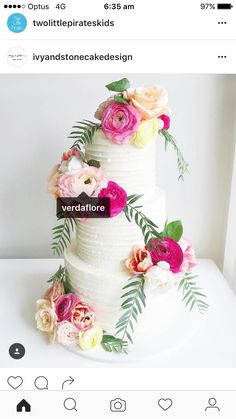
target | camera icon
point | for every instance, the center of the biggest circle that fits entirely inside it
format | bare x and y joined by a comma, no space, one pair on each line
118,405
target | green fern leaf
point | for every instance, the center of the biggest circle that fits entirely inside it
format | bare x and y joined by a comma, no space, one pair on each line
191,293
62,235
182,165
132,306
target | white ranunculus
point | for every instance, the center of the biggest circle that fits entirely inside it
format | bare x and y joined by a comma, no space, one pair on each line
159,277
67,334
71,165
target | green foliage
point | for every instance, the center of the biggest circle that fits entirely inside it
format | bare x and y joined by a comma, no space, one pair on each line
119,85
192,295
182,165
62,275
120,99
133,302
114,344
83,133
173,230
148,227
62,235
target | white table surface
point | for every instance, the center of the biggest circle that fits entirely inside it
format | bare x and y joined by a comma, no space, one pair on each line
23,281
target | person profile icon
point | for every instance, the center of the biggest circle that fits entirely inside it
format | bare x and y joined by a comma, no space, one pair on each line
212,405
17,352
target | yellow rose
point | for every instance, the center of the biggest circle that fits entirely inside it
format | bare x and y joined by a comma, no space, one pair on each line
91,338
150,101
147,132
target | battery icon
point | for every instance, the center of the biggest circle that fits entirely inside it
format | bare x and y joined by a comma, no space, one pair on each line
224,6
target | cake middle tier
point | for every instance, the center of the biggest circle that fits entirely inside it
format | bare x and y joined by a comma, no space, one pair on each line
107,242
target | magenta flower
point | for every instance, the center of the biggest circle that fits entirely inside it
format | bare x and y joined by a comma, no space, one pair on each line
117,195
167,250
64,306
119,122
166,121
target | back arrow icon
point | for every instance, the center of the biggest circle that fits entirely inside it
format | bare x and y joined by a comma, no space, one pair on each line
69,381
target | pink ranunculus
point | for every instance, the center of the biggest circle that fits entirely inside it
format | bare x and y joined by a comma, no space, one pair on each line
82,316
119,122
166,121
64,306
167,250
88,179
117,195
140,261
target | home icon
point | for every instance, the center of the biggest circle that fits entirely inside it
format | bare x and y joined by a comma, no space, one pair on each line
23,406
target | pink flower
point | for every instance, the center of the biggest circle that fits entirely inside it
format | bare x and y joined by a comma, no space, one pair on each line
88,179
140,261
64,306
189,253
166,121
167,250
117,195
72,152
54,292
119,122
82,316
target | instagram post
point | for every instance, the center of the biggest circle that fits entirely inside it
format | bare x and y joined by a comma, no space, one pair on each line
118,199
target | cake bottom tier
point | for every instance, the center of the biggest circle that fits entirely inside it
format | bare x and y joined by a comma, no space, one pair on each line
164,316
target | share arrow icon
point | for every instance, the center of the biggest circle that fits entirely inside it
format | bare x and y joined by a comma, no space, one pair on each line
68,382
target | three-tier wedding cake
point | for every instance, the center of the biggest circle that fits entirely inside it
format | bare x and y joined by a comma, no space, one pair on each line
121,273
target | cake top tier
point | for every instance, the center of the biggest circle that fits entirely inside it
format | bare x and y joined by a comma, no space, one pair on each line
114,157
133,168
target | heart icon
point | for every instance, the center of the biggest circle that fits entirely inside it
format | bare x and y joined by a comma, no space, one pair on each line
15,382
165,404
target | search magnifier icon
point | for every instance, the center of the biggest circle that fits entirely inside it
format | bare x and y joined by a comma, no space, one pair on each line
70,404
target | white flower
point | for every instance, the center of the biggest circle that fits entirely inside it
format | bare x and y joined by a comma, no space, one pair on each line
46,318
91,338
67,334
71,165
159,276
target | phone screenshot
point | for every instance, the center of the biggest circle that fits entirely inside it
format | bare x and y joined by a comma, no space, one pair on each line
117,214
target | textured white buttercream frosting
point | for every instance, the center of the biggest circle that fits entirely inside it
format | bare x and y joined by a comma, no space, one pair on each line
108,242
131,167
95,260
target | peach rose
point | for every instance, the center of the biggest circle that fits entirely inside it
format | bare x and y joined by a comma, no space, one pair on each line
46,318
150,101
54,292
140,261
53,180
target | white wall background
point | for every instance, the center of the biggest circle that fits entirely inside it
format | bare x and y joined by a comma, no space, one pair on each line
36,114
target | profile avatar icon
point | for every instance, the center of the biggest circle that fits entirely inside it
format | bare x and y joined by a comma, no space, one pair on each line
17,23
212,404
